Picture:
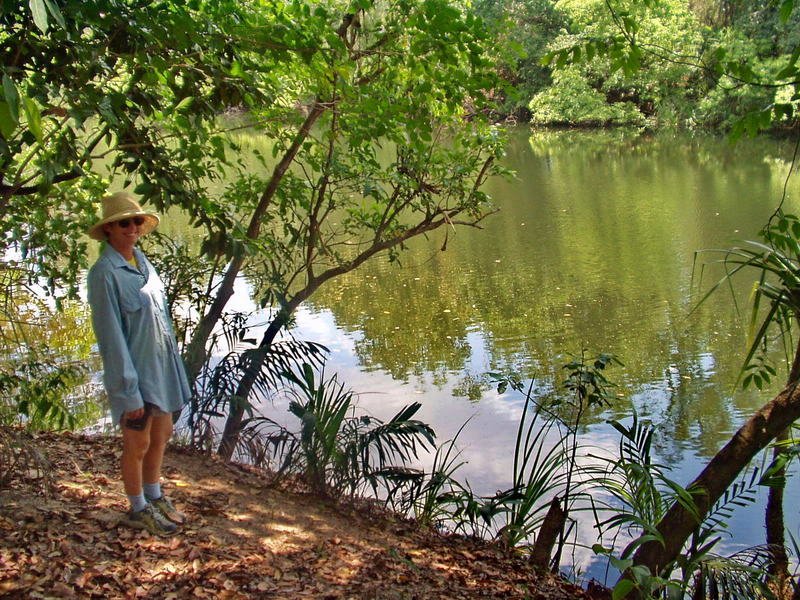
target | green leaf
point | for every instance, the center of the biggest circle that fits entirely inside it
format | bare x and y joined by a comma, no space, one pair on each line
184,104
620,564
786,10
7,124
622,589
12,98
39,11
746,381
34,116
629,24
236,69
788,72
55,12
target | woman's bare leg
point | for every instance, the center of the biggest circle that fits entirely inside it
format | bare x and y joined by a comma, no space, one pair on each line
160,430
135,446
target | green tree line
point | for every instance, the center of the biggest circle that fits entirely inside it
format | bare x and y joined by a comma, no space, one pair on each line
667,63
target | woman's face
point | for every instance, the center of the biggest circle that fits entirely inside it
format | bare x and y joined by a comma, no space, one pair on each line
123,234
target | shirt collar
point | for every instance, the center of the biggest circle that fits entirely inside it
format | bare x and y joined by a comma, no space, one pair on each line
118,261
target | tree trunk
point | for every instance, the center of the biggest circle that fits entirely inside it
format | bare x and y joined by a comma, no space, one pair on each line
230,434
548,534
755,435
233,423
196,351
775,526
774,515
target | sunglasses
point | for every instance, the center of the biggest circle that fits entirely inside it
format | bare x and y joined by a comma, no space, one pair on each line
125,223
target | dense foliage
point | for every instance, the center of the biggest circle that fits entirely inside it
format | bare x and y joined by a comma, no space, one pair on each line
109,88
656,63
116,91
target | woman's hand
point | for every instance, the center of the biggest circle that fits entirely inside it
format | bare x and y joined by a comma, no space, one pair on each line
135,414
137,419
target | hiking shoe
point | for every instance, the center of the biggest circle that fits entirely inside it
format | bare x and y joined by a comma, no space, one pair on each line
150,519
166,508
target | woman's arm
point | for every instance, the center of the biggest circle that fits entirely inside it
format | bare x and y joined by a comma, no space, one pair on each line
119,374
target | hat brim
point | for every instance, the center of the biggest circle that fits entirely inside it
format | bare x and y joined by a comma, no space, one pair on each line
151,222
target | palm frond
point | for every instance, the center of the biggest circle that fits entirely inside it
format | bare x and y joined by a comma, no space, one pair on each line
740,494
401,438
640,492
266,444
216,389
343,452
776,263
740,575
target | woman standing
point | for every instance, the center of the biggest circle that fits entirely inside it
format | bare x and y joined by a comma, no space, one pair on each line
143,373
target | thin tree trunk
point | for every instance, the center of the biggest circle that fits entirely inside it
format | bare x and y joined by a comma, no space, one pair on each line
230,434
775,526
196,351
548,534
233,424
774,514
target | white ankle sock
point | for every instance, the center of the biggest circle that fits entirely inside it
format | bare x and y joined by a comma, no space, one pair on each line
152,491
138,502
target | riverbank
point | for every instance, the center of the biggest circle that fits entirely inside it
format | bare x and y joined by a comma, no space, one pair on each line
246,538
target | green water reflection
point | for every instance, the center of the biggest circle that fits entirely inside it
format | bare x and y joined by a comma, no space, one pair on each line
593,248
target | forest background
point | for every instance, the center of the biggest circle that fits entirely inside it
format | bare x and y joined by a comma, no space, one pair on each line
110,89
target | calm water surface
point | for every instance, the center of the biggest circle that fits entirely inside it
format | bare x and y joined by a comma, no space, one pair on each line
593,248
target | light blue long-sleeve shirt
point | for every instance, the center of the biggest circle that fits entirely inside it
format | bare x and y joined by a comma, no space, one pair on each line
131,322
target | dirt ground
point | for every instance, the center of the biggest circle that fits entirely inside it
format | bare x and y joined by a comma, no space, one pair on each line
246,538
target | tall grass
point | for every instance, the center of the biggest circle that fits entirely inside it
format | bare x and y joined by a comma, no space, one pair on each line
437,498
540,473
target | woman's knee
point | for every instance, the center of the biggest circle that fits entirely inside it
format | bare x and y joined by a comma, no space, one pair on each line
135,444
160,429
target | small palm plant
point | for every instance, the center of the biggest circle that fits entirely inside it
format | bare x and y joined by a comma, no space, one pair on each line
435,499
341,453
639,493
215,390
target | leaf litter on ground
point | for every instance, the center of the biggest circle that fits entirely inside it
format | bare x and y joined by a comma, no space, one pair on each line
247,537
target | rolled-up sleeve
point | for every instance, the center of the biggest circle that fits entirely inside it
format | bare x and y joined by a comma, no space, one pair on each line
119,375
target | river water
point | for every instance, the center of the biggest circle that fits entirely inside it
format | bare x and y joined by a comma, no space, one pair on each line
600,245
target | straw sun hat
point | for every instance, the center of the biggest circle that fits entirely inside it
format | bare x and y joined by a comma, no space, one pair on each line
118,206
